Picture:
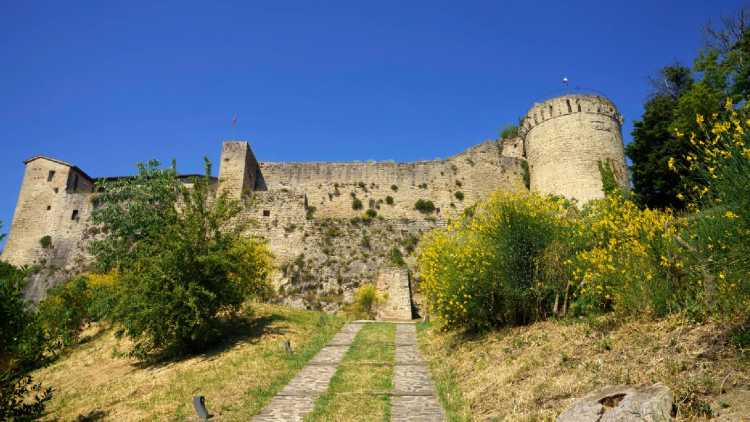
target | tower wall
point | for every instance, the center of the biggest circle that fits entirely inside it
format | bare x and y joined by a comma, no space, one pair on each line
566,138
238,171
54,201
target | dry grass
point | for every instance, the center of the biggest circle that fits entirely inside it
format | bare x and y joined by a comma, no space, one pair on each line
359,388
237,378
533,373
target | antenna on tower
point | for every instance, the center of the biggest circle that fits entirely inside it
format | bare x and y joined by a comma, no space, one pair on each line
566,82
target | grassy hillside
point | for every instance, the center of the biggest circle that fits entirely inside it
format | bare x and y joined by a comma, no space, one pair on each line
237,378
533,373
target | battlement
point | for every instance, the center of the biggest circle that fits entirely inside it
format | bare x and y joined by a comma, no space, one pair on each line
566,105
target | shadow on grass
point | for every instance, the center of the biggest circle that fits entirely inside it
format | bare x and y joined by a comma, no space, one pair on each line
92,416
229,333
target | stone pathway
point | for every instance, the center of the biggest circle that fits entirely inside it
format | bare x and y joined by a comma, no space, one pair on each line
298,397
413,398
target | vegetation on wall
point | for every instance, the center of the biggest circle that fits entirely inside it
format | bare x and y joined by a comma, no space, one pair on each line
459,195
357,204
509,131
45,242
424,206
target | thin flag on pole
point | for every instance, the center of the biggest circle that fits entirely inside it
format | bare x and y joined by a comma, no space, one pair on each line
234,120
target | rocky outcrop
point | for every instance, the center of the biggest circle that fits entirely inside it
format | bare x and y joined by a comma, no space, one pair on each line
622,403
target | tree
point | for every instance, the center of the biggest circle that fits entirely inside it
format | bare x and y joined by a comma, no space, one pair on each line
180,256
654,141
22,348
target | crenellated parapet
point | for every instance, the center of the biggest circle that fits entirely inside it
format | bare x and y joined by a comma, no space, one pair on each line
567,105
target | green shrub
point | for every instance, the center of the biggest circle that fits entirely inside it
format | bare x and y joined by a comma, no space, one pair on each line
357,204
389,200
394,188
65,310
23,347
396,258
424,206
46,242
459,195
371,213
509,131
366,300
479,272
192,269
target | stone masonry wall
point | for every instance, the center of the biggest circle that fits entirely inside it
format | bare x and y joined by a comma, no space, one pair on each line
566,138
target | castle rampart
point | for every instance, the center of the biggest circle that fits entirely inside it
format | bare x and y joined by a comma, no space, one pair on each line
566,138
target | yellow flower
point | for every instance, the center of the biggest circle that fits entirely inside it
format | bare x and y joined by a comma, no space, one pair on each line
730,215
699,119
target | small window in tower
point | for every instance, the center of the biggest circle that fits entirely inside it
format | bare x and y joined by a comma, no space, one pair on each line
74,216
49,207
550,110
579,108
570,109
56,190
266,213
50,175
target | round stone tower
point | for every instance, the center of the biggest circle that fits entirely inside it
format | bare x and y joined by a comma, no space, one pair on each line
566,138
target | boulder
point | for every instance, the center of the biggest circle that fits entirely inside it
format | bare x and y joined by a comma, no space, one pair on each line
622,403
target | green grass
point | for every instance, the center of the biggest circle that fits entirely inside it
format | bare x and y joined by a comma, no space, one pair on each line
359,388
445,384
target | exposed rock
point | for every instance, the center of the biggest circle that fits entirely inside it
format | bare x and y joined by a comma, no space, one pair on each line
622,403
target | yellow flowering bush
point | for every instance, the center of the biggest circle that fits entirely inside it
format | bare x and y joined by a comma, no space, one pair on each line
480,270
627,260
718,187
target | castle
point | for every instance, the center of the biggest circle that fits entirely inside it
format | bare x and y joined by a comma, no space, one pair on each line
305,210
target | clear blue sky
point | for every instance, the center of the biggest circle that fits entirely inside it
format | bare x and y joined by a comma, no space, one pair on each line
104,85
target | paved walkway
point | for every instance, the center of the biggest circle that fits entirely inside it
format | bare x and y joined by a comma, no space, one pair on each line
413,398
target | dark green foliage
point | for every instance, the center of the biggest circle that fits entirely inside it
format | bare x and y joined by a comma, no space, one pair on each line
45,242
394,188
357,204
396,258
459,195
424,206
525,174
654,184
23,346
389,200
181,270
422,186
509,131
65,310
371,213
21,399
609,184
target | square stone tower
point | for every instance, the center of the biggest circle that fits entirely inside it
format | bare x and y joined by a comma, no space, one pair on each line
238,171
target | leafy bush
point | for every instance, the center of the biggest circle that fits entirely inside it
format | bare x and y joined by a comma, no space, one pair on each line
182,268
459,195
479,271
46,242
394,188
371,213
396,258
389,200
65,310
366,300
357,204
509,131
424,206
23,347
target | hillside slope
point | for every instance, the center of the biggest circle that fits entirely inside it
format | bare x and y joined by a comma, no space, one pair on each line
533,373
237,378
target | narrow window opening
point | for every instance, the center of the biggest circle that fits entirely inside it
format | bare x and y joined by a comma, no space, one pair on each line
75,182
49,207
550,110
570,109
74,216
266,213
56,190
579,108
50,175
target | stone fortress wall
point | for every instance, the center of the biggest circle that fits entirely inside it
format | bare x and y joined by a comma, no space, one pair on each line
304,209
565,140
